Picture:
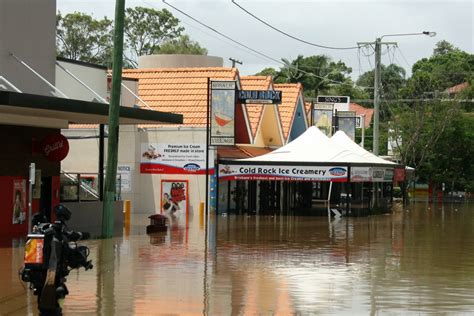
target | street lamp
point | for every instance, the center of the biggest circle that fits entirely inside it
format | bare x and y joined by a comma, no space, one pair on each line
377,78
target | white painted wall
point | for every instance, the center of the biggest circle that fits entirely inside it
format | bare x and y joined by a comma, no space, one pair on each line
92,76
145,196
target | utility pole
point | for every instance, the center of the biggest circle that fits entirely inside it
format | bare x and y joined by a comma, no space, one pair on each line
378,79
235,61
377,85
114,111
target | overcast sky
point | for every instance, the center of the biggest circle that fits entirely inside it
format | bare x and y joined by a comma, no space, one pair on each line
325,22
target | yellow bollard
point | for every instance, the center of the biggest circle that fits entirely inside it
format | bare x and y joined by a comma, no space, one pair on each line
201,215
126,217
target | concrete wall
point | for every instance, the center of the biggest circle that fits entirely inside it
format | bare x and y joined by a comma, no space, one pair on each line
83,212
179,61
28,30
93,76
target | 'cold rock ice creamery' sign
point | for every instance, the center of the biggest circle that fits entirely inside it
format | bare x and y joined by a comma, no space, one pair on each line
163,158
282,172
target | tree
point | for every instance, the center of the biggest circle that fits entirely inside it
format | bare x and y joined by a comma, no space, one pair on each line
146,29
80,37
392,77
455,169
317,73
447,67
182,45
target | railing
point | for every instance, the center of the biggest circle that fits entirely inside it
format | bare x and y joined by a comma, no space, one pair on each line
78,187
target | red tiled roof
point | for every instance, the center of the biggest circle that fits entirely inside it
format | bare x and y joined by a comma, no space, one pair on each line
255,111
457,88
179,90
290,94
360,110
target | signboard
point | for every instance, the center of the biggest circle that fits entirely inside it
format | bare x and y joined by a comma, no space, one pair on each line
260,96
223,113
382,174
174,196
361,174
346,122
341,103
360,121
165,158
125,173
399,175
281,172
322,117
55,147
19,201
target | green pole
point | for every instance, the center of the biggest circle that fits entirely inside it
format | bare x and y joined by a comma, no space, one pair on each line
112,147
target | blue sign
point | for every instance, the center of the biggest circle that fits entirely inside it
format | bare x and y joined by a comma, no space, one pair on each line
259,96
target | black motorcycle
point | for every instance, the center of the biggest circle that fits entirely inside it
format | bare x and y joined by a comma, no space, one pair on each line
51,252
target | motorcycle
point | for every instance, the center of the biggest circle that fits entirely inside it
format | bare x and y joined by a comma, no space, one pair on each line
51,252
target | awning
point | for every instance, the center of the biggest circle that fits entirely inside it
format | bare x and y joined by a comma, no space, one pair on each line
43,111
241,151
311,157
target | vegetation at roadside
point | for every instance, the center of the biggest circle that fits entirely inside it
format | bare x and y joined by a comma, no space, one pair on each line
80,36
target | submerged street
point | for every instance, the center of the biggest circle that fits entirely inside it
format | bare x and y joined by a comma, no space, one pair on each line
416,260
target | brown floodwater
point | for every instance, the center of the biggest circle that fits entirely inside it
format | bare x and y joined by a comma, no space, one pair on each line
417,260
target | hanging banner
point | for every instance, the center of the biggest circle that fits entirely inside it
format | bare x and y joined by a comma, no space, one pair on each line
19,201
322,117
223,113
281,172
346,122
166,158
174,196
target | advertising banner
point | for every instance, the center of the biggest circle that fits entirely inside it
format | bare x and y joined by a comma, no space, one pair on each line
223,113
322,117
174,196
165,158
281,172
19,201
361,174
382,174
346,122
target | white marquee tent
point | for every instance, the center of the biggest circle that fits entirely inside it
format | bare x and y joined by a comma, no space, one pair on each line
311,157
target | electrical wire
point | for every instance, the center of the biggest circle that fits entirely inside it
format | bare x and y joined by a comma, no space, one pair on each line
256,51
289,35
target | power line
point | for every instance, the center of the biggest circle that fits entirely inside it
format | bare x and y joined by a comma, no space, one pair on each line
256,51
289,35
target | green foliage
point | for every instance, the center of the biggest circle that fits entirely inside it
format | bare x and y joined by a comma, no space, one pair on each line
146,29
451,159
393,79
80,37
181,45
317,73
447,67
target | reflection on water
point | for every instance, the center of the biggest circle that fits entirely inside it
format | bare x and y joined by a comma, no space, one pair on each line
414,261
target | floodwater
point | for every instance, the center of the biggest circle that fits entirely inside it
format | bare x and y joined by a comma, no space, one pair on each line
417,260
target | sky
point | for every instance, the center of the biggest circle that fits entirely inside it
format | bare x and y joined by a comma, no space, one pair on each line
325,22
